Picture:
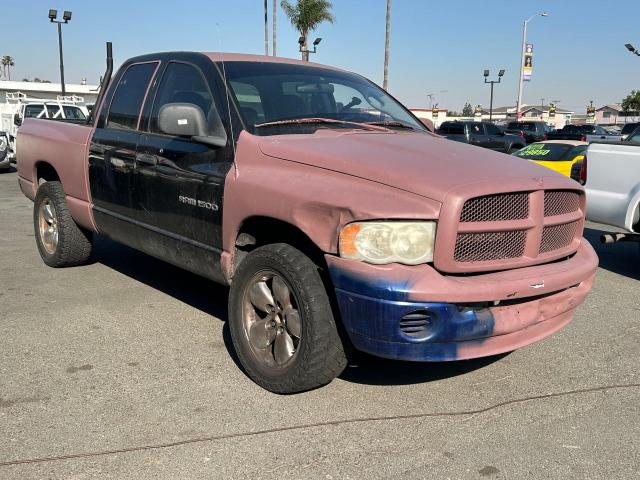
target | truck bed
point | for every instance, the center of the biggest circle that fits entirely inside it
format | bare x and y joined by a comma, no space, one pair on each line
613,184
63,146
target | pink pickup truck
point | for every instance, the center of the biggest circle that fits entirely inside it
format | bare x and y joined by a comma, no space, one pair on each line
336,218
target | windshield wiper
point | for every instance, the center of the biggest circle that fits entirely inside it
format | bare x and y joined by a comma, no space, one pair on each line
391,123
319,120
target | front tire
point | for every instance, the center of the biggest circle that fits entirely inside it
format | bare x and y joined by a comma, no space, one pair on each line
60,241
281,321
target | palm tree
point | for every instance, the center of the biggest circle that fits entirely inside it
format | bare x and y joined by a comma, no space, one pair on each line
305,16
385,81
7,63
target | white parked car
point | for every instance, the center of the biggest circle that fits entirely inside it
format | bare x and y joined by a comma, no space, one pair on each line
613,186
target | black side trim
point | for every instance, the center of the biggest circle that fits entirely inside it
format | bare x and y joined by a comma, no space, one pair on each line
170,247
167,233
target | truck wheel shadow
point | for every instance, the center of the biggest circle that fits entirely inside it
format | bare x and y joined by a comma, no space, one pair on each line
205,295
622,258
211,299
369,370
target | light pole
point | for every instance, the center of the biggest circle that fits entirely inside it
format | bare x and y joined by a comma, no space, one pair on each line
632,49
492,82
66,16
304,50
542,112
524,42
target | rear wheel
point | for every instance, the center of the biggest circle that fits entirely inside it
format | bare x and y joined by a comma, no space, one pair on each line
281,321
60,241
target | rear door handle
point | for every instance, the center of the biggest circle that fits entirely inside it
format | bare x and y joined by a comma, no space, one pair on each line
146,159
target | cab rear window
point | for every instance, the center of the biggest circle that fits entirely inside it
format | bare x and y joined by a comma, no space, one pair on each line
544,151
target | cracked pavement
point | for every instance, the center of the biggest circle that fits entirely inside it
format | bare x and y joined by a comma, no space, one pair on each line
122,369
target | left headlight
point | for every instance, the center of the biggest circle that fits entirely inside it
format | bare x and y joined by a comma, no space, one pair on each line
410,243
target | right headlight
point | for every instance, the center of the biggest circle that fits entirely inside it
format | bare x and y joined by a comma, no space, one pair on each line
376,242
3,144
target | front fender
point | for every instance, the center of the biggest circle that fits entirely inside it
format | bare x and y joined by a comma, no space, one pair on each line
317,201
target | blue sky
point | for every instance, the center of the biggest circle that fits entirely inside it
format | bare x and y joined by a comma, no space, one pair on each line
436,46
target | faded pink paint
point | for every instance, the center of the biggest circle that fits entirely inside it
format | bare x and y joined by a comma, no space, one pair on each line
425,284
65,147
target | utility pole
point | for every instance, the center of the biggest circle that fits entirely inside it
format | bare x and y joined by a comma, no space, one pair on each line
385,81
492,82
524,43
273,33
542,112
266,30
66,16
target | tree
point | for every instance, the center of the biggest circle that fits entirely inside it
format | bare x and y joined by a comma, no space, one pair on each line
305,16
7,63
385,81
453,113
632,101
467,110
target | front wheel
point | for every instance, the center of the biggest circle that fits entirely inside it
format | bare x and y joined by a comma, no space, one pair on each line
60,241
281,321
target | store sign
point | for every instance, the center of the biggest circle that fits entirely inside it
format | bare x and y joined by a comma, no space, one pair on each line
528,62
552,111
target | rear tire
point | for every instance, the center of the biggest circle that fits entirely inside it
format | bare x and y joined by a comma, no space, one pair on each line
281,321
61,242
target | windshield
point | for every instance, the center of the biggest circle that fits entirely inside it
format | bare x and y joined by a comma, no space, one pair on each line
270,93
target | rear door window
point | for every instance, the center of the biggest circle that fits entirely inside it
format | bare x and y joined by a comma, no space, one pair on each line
476,129
492,129
129,95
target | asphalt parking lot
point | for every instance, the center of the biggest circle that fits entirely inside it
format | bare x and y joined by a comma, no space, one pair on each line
123,369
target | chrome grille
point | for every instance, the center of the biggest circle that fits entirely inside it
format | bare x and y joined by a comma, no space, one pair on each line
559,202
481,247
500,207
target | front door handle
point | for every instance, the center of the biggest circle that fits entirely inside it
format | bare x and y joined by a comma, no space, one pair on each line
147,159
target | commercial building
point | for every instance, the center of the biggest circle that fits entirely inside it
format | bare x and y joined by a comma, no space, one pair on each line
47,91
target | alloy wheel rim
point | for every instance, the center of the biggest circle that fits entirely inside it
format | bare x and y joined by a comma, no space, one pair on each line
48,223
272,320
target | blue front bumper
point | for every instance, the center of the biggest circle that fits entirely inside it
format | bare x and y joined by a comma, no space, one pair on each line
381,321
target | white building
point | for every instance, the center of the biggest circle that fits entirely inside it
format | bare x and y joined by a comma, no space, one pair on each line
47,90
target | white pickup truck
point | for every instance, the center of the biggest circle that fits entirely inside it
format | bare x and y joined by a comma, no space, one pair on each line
613,187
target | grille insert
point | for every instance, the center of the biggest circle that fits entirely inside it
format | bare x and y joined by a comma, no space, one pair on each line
559,202
415,324
499,207
557,236
482,247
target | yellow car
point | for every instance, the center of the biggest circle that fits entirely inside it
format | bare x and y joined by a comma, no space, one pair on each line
558,155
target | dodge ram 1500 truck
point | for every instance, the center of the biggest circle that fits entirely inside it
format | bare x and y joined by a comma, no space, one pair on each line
336,219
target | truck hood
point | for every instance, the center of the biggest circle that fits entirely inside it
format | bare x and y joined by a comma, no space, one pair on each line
419,163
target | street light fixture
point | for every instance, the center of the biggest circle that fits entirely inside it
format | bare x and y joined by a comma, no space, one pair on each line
305,51
524,42
66,16
632,49
492,82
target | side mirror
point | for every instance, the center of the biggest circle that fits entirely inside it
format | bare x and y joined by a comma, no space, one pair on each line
188,120
17,121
